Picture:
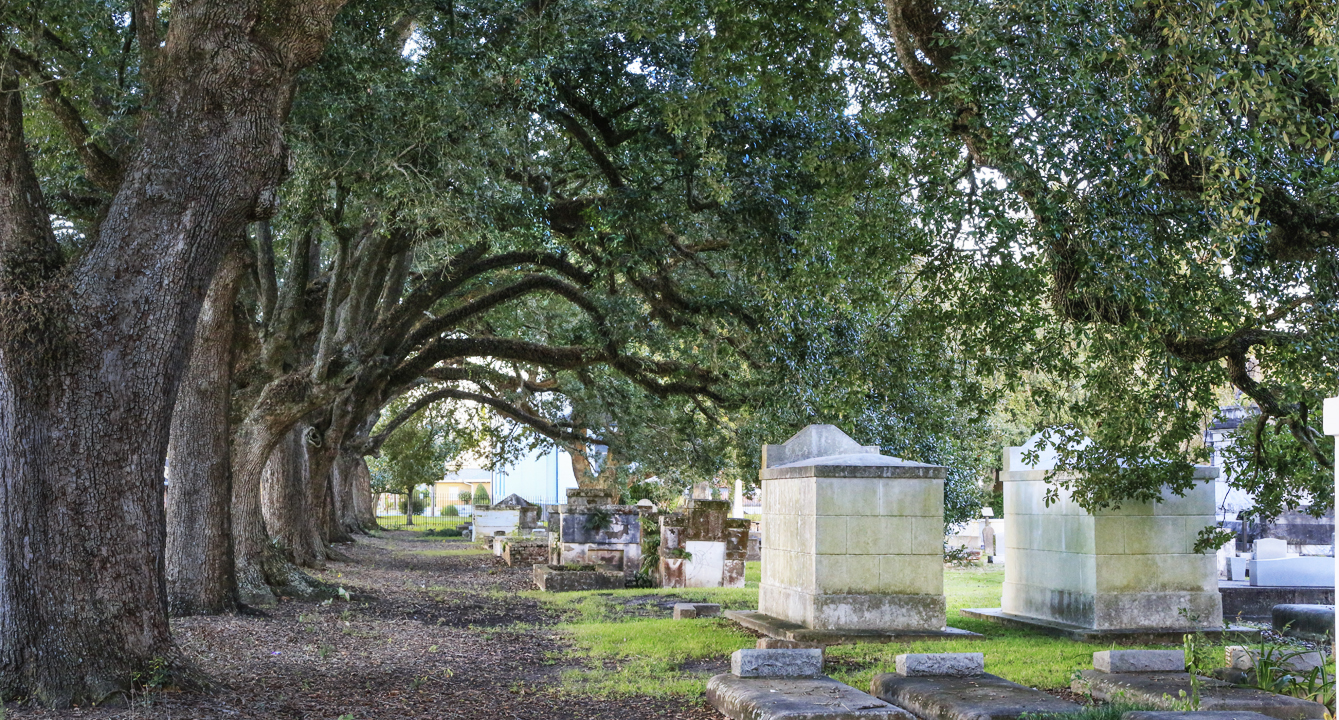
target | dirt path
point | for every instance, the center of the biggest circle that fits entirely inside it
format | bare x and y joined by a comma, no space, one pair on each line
430,632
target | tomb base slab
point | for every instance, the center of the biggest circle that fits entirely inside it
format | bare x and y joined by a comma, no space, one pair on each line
795,632
820,698
1164,691
1132,636
978,697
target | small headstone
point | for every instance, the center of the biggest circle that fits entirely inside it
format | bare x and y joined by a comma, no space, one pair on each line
1270,549
685,611
944,664
1139,661
707,609
1243,658
751,663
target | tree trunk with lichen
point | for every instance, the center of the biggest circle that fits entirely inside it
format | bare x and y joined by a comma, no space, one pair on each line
199,562
91,352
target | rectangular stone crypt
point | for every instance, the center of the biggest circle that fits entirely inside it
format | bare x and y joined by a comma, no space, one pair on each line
1126,574
852,543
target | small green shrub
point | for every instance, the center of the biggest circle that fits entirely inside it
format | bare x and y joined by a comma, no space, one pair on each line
450,511
480,496
464,496
451,532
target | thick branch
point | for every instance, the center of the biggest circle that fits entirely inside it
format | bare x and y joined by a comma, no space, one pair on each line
100,167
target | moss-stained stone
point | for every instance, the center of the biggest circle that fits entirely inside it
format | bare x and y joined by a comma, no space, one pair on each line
1122,568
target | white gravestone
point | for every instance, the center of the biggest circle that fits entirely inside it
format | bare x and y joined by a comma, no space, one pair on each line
1270,549
852,540
1126,568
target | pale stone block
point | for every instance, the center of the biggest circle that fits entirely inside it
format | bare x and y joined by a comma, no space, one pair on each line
684,611
872,535
1156,573
1133,661
871,611
1157,535
1158,609
912,574
753,663
916,497
848,496
928,536
944,664
847,574
1109,536
830,535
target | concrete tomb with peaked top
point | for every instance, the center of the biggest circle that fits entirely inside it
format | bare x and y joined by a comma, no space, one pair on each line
1127,574
852,544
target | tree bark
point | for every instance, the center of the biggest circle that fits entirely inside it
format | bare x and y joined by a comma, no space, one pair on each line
85,408
287,504
198,557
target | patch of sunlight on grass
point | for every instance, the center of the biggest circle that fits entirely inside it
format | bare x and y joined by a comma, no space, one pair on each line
650,657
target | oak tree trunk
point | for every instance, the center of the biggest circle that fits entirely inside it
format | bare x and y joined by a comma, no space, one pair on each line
91,353
199,559
287,502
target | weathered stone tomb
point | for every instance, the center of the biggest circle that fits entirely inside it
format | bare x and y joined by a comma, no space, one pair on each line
591,530
852,542
1127,571
702,546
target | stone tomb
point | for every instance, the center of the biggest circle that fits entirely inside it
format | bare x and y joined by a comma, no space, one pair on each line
1126,574
524,552
591,530
702,546
852,546
511,516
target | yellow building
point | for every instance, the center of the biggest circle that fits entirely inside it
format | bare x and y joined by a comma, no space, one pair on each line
447,490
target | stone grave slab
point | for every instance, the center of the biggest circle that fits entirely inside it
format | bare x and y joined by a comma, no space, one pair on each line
795,632
819,698
569,578
1164,690
974,697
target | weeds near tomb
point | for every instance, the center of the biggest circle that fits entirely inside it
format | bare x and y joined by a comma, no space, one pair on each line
1272,674
1106,711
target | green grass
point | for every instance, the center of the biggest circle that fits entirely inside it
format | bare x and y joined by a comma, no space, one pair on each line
630,653
421,522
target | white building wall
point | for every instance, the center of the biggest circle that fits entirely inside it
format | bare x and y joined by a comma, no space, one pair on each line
542,477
